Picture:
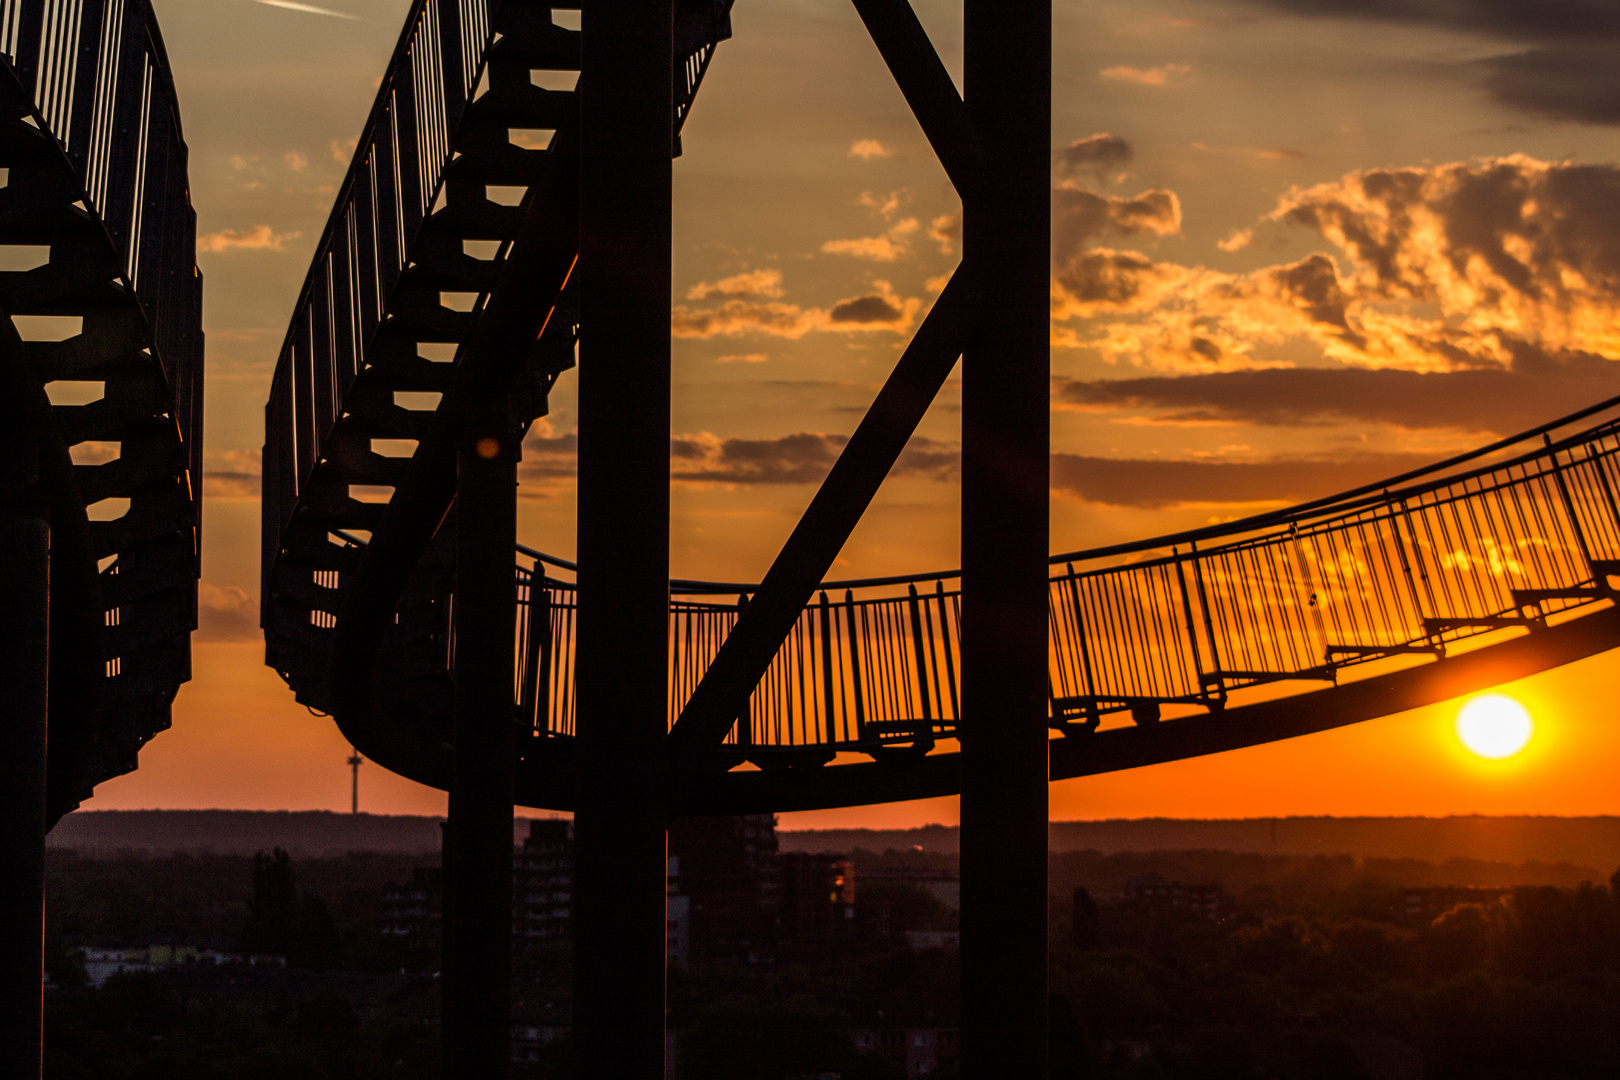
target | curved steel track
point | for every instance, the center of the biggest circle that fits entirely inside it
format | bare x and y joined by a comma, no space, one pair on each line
1475,571
103,359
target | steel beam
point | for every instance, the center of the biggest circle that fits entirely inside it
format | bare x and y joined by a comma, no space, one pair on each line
24,694
832,515
478,1038
1007,76
626,106
927,87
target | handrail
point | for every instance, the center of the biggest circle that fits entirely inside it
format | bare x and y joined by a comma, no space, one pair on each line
1309,592
1299,513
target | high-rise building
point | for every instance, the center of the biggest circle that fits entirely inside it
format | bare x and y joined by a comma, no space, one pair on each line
818,900
543,884
728,870
411,909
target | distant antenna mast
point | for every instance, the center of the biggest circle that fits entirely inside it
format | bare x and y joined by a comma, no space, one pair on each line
354,788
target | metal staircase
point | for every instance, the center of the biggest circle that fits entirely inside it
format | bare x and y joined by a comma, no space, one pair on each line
103,348
477,106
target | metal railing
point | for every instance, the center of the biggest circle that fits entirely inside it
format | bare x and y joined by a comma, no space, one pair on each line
1465,549
390,189
101,86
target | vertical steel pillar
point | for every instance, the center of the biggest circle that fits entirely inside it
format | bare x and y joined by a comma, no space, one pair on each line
478,1036
626,114
25,564
1007,76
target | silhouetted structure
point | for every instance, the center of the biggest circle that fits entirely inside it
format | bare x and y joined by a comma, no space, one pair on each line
818,901
637,696
543,883
729,871
355,761
100,344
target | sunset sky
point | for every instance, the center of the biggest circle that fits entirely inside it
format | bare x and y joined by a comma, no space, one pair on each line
1298,244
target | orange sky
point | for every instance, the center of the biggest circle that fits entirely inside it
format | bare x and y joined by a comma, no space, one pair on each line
240,741
1312,250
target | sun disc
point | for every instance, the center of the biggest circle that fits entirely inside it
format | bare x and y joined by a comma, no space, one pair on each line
1494,726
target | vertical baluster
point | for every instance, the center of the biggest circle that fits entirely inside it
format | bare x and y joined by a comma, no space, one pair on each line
1569,505
1209,621
1192,629
826,670
745,721
945,647
855,665
922,665
1093,717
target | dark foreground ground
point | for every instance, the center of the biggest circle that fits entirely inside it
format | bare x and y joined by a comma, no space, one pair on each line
1315,968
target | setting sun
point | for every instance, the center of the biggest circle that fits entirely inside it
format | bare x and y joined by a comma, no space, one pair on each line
1494,726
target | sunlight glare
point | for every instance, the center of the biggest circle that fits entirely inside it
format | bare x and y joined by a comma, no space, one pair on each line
1494,726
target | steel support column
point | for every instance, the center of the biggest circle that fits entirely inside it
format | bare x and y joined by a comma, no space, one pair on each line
478,891
627,107
1007,76
24,692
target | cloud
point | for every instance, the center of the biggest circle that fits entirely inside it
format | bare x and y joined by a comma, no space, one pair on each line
1568,81
753,285
738,314
295,161
1438,268
232,474
1153,485
1236,240
1563,63
1157,76
546,458
891,246
946,231
1080,216
1097,156
226,613
1102,278
867,149
258,238
881,310
746,358
1471,401
307,9
734,317
1573,19
802,458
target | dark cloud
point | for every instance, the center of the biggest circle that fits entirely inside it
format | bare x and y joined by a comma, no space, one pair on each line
865,310
1536,19
1573,81
1080,216
1104,278
1098,156
1568,69
803,458
1500,402
1153,485
1101,277
548,457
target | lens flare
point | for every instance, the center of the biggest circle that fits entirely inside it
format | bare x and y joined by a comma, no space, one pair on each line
1494,726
